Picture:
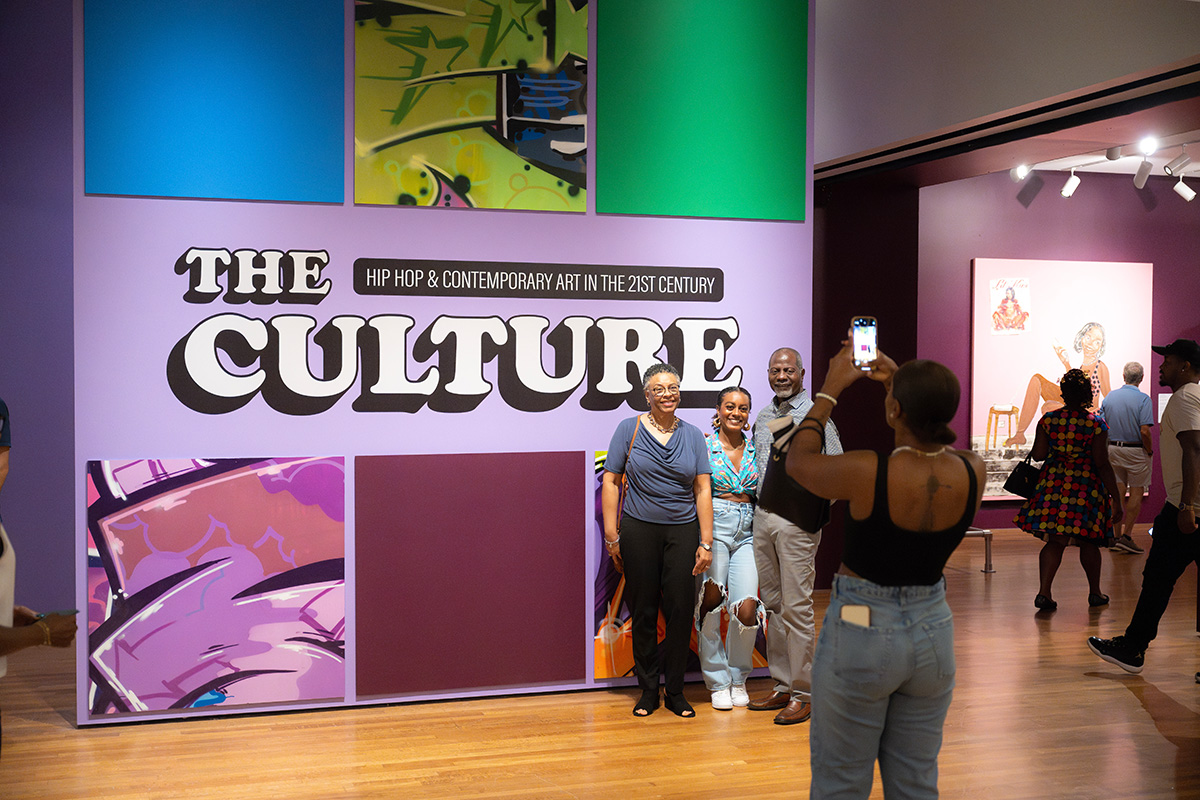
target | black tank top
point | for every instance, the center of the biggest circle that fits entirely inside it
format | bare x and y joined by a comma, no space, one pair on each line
884,553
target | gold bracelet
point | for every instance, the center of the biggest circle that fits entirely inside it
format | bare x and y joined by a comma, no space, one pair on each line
41,623
828,397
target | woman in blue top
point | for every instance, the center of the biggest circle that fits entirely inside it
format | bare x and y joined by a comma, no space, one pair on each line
732,580
665,533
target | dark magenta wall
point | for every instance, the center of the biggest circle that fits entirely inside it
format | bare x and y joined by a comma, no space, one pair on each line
1107,219
36,317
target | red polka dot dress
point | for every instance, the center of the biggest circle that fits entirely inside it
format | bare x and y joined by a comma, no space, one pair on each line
1070,499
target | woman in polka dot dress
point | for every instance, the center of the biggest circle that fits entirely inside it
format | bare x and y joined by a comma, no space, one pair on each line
1076,497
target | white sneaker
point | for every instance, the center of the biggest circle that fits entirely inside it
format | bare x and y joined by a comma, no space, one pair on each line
721,700
737,693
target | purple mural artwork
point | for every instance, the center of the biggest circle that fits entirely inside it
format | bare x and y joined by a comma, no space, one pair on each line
215,583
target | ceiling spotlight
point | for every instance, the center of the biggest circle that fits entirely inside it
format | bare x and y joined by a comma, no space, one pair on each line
1071,185
1019,173
1148,145
1143,172
1176,165
1185,191
1113,153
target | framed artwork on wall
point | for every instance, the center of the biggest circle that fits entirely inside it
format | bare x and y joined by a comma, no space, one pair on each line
1032,320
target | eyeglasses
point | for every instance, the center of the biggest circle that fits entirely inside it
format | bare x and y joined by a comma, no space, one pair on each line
664,391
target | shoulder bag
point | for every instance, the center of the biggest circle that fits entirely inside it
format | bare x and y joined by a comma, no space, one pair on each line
1024,478
780,493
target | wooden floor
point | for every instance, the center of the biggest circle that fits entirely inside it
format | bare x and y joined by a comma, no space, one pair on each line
1035,715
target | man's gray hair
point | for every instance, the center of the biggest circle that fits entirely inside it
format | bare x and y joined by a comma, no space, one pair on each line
1133,373
795,354
655,369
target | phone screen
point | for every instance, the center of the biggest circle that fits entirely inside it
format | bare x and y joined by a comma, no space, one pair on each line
863,340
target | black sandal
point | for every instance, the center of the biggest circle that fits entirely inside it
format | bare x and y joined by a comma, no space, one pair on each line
679,705
648,703
1096,600
1046,604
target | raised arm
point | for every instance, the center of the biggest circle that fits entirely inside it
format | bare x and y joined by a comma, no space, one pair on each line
837,477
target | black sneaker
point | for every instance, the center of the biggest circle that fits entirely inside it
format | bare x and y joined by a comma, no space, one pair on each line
1125,544
1118,651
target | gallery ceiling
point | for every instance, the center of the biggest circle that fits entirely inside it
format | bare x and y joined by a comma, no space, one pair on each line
1057,134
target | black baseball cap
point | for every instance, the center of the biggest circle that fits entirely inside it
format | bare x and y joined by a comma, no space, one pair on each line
1186,349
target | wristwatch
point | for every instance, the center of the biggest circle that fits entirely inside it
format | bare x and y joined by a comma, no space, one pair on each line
707,547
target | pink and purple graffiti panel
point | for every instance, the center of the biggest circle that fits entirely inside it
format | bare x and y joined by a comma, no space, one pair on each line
215,582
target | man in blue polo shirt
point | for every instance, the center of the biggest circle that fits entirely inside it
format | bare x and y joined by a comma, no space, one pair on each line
1129,415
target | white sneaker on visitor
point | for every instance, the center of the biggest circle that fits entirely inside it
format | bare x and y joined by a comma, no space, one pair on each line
739,696
721,700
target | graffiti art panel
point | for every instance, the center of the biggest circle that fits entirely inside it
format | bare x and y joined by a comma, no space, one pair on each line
215,582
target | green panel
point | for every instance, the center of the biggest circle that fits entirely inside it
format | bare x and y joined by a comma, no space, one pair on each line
701,108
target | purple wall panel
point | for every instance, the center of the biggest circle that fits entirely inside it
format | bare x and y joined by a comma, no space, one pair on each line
470,571
36,372
1106,220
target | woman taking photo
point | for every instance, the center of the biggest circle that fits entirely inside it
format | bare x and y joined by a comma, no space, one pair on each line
1071,503
883,672
662,536
731,583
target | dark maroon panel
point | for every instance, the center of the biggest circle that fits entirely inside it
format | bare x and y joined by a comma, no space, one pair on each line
469,571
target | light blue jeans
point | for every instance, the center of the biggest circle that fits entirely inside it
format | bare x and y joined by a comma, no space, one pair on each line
728,662
881,692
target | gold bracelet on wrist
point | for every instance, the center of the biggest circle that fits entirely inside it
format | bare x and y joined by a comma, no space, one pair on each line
41,623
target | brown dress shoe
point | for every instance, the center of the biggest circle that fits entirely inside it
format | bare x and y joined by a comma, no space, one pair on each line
796,711
772,702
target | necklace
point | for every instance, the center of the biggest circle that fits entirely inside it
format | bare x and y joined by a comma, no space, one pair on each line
665,431
926,454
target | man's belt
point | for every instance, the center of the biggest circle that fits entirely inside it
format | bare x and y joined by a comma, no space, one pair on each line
1126,444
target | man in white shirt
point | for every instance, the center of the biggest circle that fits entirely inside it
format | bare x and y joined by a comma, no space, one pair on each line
1176,544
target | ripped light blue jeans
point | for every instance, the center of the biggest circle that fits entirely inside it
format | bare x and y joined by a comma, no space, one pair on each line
729,662
881,691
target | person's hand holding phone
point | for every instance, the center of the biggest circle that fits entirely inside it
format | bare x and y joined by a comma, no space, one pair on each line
882,369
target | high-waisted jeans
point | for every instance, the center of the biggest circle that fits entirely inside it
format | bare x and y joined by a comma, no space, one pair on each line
881,691
658,569
728,662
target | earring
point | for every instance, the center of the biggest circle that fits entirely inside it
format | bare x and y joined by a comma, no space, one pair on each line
716,423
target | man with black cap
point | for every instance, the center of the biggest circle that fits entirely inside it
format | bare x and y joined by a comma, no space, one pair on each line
1176,543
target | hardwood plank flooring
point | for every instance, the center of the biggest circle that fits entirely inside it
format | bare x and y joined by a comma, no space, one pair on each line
1035,715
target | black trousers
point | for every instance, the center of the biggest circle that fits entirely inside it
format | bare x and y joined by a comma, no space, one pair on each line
658,570
1170,554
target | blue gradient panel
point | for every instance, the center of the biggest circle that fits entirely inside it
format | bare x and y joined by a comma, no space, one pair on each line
233,99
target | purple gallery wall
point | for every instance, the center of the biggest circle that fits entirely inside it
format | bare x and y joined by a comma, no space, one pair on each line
132,312
1107,219
36,370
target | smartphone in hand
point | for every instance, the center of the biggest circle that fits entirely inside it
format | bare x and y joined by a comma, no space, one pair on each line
863,341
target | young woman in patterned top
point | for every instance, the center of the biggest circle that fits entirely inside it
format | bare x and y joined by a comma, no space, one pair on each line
731,583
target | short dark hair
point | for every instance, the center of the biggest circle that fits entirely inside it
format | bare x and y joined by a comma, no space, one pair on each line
730,390
654,369
1076,389
928,394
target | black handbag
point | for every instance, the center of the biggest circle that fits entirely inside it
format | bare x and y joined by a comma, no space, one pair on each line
780,494
1023,480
